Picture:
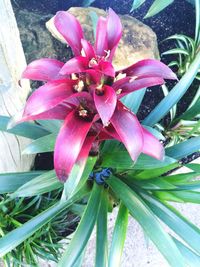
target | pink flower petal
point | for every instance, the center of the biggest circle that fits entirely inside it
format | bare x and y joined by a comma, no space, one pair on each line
44,69
75,65
106,68
101,37
94,75
83,155
107,133
88,49
139,84
48,96
83,98
69,143
152,146
70,28
57,113
129,129
86,147
114,31
119,83
105,103
150,68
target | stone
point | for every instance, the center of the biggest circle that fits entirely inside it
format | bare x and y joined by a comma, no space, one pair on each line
36,40
138,40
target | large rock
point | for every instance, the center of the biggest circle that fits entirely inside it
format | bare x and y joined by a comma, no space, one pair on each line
36,40
138,40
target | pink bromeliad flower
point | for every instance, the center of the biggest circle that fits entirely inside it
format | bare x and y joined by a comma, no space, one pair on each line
85,93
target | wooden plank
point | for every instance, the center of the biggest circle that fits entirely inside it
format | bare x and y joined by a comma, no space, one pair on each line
12,96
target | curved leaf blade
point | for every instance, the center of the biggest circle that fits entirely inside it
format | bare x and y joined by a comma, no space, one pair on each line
46,182
150,224
84,230
101,234
184,149
192,259
171,217
25,129
136,4
43,144
119,236
20,234
157,6
9,182
174,95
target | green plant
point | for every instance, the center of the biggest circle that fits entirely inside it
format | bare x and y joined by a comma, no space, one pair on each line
186,47
143,189
141,183
44,243
187,124
156,7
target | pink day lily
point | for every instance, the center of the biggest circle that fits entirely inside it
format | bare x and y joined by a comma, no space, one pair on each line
85,93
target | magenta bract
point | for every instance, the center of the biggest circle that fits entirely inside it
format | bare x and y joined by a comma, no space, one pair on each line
85,93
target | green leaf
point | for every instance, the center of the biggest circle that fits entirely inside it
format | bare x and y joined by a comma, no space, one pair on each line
179,196
53,126
191,258
181,178
156,184
193,166
94,17
9,182
20,234
196,97
150,224
124,161
152,173
78,176
174,108
184,149
157,6
174,95
147,162
84,230
41,184
101,234
155,132
176,51
173,63
79,261
134,99
184,181
136,4
26,129
190,113
187,42
171,217
197,25
41,145
118,238
87,3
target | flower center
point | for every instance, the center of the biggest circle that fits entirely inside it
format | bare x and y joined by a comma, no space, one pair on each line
83,113
79,86
99,89
93,62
